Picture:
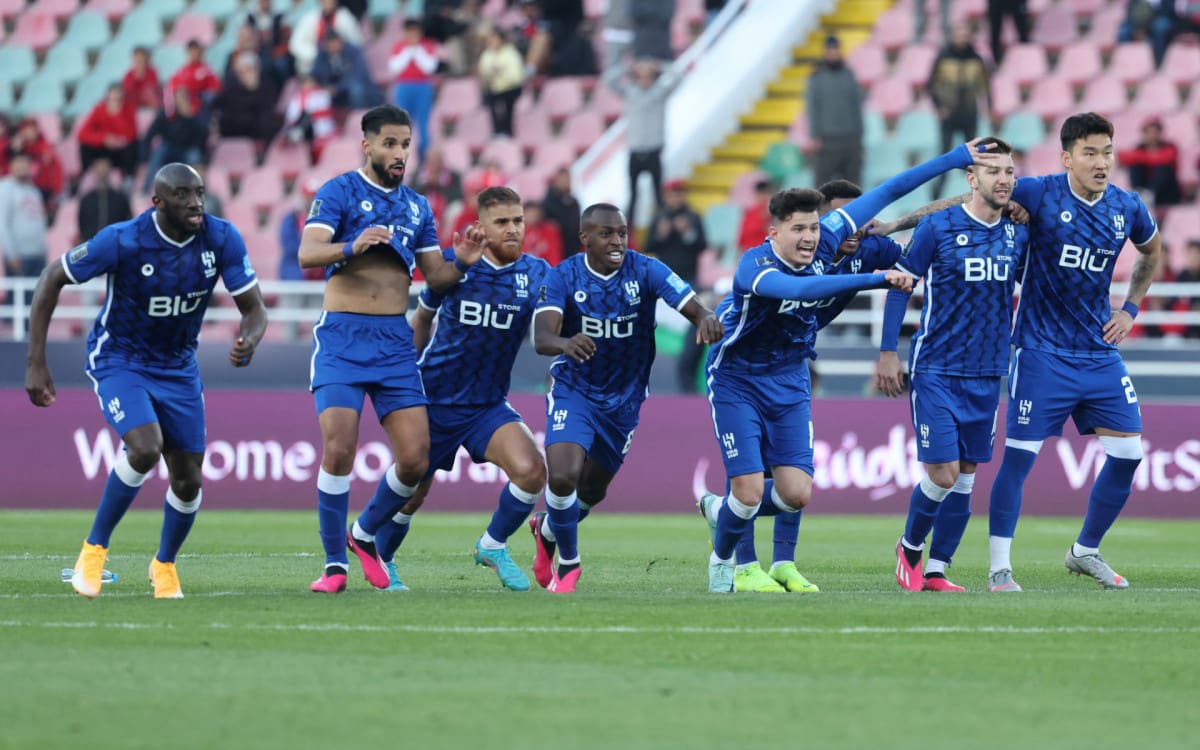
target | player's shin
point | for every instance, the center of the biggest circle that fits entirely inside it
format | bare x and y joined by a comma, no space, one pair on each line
512,509
119,491
178,517
787,532
922,508
732,520
390,496
562,516
1004,503
391,535
333,507
1110,490
950,524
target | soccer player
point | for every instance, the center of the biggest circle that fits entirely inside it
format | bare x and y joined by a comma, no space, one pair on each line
967,256
370,233
161,268
596,314
758,373
466,365
1066,335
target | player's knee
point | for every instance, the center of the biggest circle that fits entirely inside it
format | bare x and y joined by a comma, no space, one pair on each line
794,497
186,488
1127,447
410,469
561,483
528,473
338,456
143,457
943,475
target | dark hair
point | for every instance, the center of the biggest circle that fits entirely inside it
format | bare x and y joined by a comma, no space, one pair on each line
375,118
414,23
1077,127
996,145
496,196
596,208
839,189
794,200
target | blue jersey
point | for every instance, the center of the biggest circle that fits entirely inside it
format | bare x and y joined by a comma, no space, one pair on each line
349,203
875,253
1073,250
480,324
617,313
158,289
969,268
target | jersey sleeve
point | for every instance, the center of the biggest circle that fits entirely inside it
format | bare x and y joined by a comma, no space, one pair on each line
328,208
917,257
750,269
1028,192
887,253
236,270
1143,227
667,285
429,299
93,258
426,240
552,294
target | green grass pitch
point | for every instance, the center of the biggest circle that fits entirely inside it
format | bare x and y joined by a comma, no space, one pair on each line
640,658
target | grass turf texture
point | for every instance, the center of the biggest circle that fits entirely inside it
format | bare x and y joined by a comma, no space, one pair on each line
641,657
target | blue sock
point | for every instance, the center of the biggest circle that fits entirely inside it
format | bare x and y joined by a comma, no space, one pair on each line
787,531
585,510
730,528
921,511
333,506
390,496
1004,505
178,518
390,536
514,507
949,526
562,514
744,552
1109,493
767,506
119,491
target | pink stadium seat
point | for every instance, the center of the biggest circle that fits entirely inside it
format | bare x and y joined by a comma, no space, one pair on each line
1189,166
561,97
868,62
914,63
606,103
582,130
110,9
11,8
798,133
1105,95
532,128
894,29
1158,94
890,97
1006,95
1181,224
552,155
56,8
1127,127
1182,63
456,154
1025,63
216,181
530,184
742,192
243,216
1055,28
37,31
1131,62
1044,159
474,128
1079,62
456,97
377,54
1182,127
189,26
338,154
1105,23
1050,98
68,155
262,188
505,152
963,10
235,155
50,123
1085,9
291,159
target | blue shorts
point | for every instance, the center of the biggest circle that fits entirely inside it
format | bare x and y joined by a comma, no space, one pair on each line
605,434
130,398
954,417
471,427
1044,389
756,431
365,355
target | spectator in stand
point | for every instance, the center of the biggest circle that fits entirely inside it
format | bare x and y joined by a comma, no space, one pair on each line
677,238
309,117
921,20
562,208
195,79
413,63
1154,165
1018,11
756,220
651,21
290,229
958,81
246,106
6,133
311,28
1161,21
1191,275
45,168
110,132
23,224
141,85
527,28
181,137
835,118
342,68
104,204
542,237
558,48
248,43
449,24
442,187
273,36
357,8
645,115
501,73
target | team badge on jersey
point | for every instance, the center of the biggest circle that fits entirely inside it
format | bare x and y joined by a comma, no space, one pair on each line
209,258
315,208
1119,227
633,292
522,284
366,205
581,296
677,283
78,253
147,270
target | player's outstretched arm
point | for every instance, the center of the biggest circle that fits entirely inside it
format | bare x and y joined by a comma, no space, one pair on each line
547,325
254,325
1121,321
39,383
441,274
708,329
776,285
910,220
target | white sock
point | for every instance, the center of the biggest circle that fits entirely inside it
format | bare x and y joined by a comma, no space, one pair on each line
402,518
1079,550
487,542
911,546
740,509
573,561
713,559
361,535
547,534
999,547
935,566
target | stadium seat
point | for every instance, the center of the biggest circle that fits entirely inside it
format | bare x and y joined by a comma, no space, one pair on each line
455,98
561,98
1182,127
552,155
1085,9
1055,28
11,9
1023,130
1045,158
456,154
291,159
894,29
56,8
1050,98
35,30
235,155
42,93
340,154
167,10
262,188
189,26
1182,223
530,183
606,103
6,96
581,130
1182,63
242,215
1131,62
918,134
913,65
110,9
890,97
742,193
505,152
1104,26
531,128
474,128
868,62
1105,95
141,27
1157,94
216,181
381,10
87,92
1079,62
65,62
722,223
1025,64
963,10
781,159
222,11
167,59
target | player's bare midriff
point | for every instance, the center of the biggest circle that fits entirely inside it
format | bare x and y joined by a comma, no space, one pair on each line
375,283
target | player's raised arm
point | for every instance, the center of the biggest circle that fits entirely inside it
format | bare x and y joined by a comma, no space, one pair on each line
776,285
253,326
39,383
440,273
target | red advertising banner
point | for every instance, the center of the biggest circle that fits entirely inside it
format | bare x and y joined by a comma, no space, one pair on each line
264,450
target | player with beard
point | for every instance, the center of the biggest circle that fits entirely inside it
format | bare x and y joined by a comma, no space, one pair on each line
370,233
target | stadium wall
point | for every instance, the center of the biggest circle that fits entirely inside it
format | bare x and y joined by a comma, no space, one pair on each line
264,451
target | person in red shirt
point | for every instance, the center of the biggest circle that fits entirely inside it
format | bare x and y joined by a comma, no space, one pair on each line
110,131
197,79
413,63
46,168
756,220
1154,165
142,89
542,238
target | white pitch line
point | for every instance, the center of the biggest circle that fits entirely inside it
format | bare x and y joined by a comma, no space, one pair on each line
135,556
610,629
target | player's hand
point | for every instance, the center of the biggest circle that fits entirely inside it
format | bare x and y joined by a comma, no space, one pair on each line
39,384
899,280
709,331
875,226
889,376
370,237
1117,327
242,352
1016,212
984,157
468,248
579,347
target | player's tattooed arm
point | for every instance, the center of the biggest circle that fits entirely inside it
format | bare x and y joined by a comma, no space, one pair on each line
254,325
39,383
708,329
1121,321
547,325
910,220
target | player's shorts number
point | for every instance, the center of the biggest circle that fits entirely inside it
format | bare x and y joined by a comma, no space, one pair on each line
628,443
1130,394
